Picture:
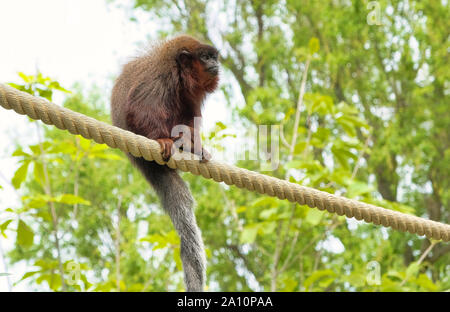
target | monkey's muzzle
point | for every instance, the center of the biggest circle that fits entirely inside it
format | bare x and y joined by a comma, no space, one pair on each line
213,70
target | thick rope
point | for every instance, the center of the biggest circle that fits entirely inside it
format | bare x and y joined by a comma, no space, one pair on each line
139,146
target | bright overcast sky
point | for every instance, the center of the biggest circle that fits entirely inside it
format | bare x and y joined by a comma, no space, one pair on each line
70,41
66,39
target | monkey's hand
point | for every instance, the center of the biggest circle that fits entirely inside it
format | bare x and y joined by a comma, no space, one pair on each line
167,148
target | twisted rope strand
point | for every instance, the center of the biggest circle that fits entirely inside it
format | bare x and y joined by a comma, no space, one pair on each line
139,146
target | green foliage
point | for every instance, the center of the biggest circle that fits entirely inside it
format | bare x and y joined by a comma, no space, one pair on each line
357,123
372,125
25,234
39,85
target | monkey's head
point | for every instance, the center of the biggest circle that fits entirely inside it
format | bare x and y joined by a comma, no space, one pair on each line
197,63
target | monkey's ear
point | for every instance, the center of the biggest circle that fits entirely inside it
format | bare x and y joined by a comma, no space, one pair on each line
184,58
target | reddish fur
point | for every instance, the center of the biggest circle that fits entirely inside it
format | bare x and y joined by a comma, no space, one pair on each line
154,93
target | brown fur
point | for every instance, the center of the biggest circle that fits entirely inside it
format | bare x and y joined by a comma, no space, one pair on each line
155,92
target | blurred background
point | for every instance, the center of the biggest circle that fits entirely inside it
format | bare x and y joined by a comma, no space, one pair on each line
360,92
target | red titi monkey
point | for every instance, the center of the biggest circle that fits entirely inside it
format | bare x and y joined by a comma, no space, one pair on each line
154,93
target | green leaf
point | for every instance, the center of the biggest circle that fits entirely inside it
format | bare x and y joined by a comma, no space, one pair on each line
20,152
26,78
44,214
162,240
29,274
71,199
314,216
300,147
103,155
53,283
293,164
177,258
356,279
267,213
314,45
398,275
265,201
268,227
63,147
55,85
317,275
248,235
45,93
25,235
37,201
347,126
85,144
221,125
356,121
4,226
173,238
39,174
424,281
16,86
99,148
20,174
400,207
325,282
358,188
412,269
36,149
290,283
342,155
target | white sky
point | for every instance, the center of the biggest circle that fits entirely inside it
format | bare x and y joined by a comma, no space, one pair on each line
70,41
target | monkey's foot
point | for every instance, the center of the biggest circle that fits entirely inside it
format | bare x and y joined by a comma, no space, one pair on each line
166,148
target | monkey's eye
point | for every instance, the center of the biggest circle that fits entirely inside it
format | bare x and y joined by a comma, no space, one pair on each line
204,57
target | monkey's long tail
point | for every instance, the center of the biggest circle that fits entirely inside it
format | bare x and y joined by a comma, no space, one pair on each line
177,201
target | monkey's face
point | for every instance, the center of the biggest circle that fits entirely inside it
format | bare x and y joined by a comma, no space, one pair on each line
208,57
203,63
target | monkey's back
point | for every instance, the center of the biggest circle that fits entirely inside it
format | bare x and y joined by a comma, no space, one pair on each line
133,74
151,72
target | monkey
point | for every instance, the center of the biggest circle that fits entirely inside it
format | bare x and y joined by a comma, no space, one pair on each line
155,92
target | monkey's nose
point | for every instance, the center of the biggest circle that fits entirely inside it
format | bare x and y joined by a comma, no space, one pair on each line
213,70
